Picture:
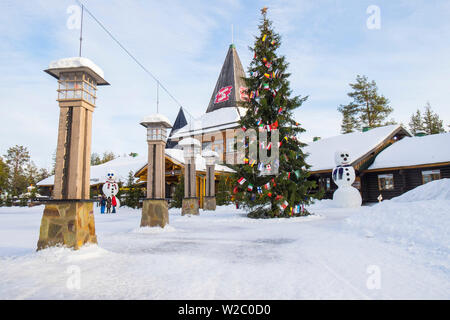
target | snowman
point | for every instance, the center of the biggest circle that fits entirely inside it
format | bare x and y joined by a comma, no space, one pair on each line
343,175
111,188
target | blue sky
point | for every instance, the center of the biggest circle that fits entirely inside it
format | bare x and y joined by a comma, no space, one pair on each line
184,44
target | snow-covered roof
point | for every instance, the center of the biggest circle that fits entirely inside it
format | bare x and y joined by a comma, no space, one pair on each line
219,119
411,151
200,162
123,165
189,142
321,152
55,67
156,118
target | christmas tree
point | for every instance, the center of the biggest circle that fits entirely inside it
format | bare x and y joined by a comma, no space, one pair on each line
270,107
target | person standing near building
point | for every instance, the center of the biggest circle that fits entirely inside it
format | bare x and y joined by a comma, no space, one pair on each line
102,204
108,205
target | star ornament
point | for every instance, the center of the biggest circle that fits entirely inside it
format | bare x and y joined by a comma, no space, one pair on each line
264,10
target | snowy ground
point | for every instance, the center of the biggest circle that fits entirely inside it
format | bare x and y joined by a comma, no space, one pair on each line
334,254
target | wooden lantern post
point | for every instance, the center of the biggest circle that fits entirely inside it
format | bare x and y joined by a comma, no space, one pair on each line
210,197
155,208
68,219
191,147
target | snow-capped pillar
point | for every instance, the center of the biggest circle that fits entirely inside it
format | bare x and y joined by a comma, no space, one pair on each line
155,208
191,147
210,197
69,218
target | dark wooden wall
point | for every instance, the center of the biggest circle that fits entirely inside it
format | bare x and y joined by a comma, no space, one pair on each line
404,180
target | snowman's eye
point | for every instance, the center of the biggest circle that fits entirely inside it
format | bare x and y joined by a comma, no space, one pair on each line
342,155
346,155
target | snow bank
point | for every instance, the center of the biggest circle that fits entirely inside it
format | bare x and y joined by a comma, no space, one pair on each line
434,190
420,216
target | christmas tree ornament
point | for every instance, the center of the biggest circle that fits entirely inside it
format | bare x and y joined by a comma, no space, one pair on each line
250,187
264,38
241,181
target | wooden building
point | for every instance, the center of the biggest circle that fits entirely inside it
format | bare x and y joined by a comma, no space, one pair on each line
363,147
407,164
215,129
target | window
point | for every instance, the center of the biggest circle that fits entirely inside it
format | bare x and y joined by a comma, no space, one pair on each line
76,86
386,182
430,175
325,183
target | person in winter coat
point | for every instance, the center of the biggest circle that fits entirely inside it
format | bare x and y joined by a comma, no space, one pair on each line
102,204
108,205
114,204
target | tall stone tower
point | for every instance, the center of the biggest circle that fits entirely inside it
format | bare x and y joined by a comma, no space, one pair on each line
69,218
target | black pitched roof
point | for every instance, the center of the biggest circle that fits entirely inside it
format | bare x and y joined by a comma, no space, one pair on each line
230,83
180,122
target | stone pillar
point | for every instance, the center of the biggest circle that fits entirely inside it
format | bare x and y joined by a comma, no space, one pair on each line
155,208
190,204
210,193
68,219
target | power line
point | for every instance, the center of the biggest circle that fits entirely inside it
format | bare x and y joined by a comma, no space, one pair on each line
129,54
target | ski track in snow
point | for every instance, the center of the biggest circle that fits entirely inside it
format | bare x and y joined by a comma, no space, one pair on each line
220,255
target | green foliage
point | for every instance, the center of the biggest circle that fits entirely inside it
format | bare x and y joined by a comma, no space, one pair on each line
133,193
4,174
295,190
107,156
428,122
17,159
177,200
416,123
223,196
368,107
432,124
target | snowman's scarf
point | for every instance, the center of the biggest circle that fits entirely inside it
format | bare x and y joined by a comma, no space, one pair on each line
339,170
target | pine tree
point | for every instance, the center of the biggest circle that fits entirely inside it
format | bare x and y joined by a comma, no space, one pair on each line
17,158
4,174
349,122
133,193
177,200
416,123
223,196
368,107
270,103
432,124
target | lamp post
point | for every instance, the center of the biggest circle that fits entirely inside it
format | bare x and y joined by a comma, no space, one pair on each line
191,147
210,197
69,218
155,209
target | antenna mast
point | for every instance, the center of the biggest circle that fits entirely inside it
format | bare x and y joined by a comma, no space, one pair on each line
81,28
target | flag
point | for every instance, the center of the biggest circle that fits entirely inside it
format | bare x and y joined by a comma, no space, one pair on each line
253,163
267,186
264,37
266,86
274,125
250,187
284,205
259,190
246,160
268,167
297,173
269,146
260,166
267,75
242,180
280,110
